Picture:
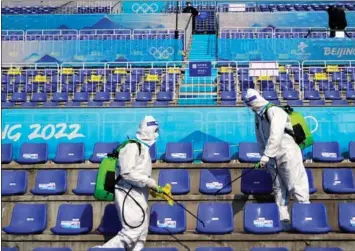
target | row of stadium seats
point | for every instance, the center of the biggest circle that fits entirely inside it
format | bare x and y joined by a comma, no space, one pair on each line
175,249
215,218
213,152
28,10
54,182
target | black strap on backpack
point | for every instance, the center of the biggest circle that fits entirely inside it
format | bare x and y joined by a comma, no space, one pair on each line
288,109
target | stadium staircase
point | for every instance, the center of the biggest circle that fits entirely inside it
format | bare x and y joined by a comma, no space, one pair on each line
200,90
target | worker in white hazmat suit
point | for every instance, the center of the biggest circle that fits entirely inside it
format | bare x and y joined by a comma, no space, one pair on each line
280,149
135,170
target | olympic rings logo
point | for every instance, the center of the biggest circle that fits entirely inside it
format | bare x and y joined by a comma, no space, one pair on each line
161,52
145,8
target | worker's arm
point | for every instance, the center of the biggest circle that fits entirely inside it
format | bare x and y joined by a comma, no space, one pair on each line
278,120
128,161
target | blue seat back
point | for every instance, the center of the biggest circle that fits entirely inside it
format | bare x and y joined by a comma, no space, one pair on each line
352,151
6,153
326,150
29,216
211,180
346,217
101,150
317,102
70,153
217,218
153,152
323,249
311,186
52,249
216,152
87,181
340,178
179,152
8,249
256,182
249,152
261,216
74,216
110,222
167,218
106,249
13,182
270,249
179,179
50,181
214,249
159,249
309,216
33,153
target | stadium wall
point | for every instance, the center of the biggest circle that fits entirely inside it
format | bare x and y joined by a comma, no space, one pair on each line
197,125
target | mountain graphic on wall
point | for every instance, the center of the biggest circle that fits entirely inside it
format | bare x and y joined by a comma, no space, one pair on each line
32,57
105,23
63,27
160,26
48,59
198,137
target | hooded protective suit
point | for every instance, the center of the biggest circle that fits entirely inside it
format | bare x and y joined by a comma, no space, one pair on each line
135,171
286,163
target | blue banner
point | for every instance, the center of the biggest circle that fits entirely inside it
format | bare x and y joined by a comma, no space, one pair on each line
143,7
286,49
200,69
197,125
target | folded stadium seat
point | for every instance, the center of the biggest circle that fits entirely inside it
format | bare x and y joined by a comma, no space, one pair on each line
14,182
323,249
164,96
179,179
117,104
326,152
306,85
102,96
95,103
81,97
352,151
73,219
346,217
217,218
290,95
311,95
123,96
68,153
295,102
228,96
33,153
256,182
153,153
179,152
6,153
149,86
101,150
332,95
158,249
267,85
339,76
50,182
350,94
310,218
211,180
283,77
139,103
52,249
312,188
39,97
317,102
110,223
338,181
161,103
86,182
326,86
262,218
28,104
27,219
72,104
8,249
18,97
344,86
214,249
216,152
166,219
340,103
249,152
144,96
269,249
314,70
107,249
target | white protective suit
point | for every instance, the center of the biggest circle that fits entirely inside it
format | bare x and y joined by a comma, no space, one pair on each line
286,163
135,171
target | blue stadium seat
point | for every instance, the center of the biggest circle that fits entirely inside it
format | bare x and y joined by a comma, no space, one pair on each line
102,96
179,179
18,97
28,104
310,218
326,152
39,97
60,97
144,96
352,151
290,95
153,153
249,152
107,249
216,152
27,219
270,95
269,249
256,182
312,188
164,96
346,217
166,219
350,94
33,153
86,182
117,104
228,96
95,103
295,103
52,249
110,223
332,95
158,249
217,218
338,181
139,104
262,218
161,103
6,153
81,97
311,95
50,182
101,150
211,180
14,182
214,249
8,249
323,249
317,102
340,102
50,104
180,152
73,219
68,153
